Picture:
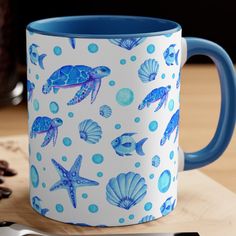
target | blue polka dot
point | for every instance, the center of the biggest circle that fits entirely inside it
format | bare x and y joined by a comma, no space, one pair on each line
67,141
64,158
93,208
173,75
59,208
150,48
36,104
37,77
137,119
38,156
92,47
171,105
54,107
112,83
70,114
44,185
148,206
153,125
125,97
34,176
117,126
122,61
84,195
133,58
171,155
137,164
164,181
121,220
57,51
99,174
163,76
97,158
151,176
131,217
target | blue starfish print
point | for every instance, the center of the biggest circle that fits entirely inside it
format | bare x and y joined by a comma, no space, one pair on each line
70,180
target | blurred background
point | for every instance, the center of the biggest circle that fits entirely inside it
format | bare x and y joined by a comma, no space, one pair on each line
206,19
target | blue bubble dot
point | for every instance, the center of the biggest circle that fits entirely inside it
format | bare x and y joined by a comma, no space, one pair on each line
70,114
125,97
67,141
131,216
153,125
37,77
84,195
121,220
171,155
117,126
38,156
97,158
54,107
112,83
92,47
99,174
150,48
122,61
173,75
151,176
137,164
148,206
93,208
133,58
36,104
164,181
44,185
64,158
171,105
163,76
34,176
57,51
137,119
59,208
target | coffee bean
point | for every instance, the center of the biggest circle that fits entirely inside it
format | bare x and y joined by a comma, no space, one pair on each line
1,180
10,172
4,164
5,192
1,172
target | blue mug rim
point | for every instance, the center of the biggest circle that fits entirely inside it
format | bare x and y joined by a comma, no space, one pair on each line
39,26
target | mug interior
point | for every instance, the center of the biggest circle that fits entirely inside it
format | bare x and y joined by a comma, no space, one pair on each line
103,26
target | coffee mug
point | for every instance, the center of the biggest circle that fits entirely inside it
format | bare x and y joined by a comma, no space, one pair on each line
103,102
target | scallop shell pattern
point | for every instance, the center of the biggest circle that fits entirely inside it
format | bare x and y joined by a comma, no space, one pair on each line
90,131
105,111
147,219
127,43
126,190
148,70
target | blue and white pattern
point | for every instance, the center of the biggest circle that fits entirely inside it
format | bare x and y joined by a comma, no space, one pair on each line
116,102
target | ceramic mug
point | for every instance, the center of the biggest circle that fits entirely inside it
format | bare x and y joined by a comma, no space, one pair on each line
103,101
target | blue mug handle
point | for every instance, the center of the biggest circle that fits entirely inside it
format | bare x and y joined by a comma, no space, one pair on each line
226,123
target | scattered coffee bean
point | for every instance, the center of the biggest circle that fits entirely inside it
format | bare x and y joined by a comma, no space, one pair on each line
1,180
1,172
4,164
10,172
5,192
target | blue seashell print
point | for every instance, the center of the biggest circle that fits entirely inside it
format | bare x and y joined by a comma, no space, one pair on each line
44,124
36,203
70,179
90,131
167,206
124,145
34,56
105,111
89,80
127,43
147,219
148,70
72,42
171,127
171,56
30,89
126,190
158,94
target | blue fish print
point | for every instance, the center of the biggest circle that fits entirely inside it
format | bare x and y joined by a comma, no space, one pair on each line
124,145
36,203
44,124
171,56
71,180
172,125
72,42
167,206
35,58
158,94
30,89
89,80
127,43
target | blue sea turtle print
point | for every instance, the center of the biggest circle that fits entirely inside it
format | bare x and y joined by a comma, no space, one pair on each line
154,96
44,124
124,145
171,56
35,58
167,206
70,180
36,203
89,80
171,127
127,43
30,89
72,42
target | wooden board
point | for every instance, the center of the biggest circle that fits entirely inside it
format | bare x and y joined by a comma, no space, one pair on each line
203,205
